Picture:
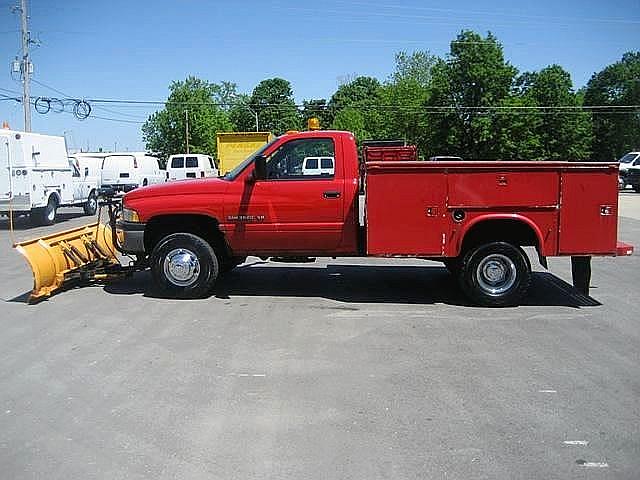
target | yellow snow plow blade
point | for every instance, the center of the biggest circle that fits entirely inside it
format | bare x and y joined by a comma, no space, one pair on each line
57,260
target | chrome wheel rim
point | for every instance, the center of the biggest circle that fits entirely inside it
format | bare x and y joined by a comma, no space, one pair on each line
496,274
181,267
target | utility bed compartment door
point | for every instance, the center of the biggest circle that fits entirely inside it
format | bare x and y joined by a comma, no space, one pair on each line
516,188
589,212
406,213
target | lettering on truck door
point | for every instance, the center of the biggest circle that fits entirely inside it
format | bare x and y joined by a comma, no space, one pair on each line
290,211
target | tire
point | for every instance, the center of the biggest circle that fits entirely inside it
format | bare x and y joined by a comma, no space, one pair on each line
184,265
45,215
496,274
91,205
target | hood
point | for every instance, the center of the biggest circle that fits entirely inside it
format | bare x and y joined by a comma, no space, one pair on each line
179,187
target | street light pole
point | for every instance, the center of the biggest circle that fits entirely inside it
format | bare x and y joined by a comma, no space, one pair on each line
255,114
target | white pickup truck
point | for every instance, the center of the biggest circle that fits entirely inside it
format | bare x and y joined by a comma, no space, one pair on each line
37,177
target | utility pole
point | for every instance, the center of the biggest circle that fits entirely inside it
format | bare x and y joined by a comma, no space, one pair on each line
186,128
25,67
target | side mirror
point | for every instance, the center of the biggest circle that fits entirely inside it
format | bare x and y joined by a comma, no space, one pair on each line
260,168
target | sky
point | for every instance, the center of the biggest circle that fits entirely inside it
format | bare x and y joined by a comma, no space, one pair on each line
133,49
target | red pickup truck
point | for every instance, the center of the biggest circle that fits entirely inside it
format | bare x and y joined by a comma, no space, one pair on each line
476,217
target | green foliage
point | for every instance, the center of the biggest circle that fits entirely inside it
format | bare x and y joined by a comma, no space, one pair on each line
362,99
317,108
404,95
164,131
474,75
617,85
563,134
273,100
241,114
472,104
352,120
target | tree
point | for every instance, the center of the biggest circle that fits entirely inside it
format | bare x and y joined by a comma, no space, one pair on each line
317,108
564,134
615,132
273,100
352,120
363,95
475,75
405,94
241,114
164,131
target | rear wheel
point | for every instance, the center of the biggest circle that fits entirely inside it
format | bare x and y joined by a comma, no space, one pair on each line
496,274
184,265
91,205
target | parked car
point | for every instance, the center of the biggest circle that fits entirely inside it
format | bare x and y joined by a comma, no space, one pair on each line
631,159
37,177
126,171
182,166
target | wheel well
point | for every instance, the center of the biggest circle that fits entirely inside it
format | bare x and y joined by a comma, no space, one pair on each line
515,232
201,225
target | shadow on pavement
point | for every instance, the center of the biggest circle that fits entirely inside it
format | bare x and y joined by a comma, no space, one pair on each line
22,222
361,284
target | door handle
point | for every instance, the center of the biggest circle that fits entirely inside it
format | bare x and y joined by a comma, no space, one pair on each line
331,194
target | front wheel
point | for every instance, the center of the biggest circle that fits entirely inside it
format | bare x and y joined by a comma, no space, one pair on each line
184,265
495,274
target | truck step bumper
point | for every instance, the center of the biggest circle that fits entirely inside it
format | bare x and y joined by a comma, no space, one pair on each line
623,249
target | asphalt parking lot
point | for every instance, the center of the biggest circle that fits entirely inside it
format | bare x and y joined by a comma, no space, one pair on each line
356,369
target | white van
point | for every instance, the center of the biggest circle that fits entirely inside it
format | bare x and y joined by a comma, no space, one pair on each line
318,166
36,177
187,165
126,171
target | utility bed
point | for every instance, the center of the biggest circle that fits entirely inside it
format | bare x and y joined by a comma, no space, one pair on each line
427,208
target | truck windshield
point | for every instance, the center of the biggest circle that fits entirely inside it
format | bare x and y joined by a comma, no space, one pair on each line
231,174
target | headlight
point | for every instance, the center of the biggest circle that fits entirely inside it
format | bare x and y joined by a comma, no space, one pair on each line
129,215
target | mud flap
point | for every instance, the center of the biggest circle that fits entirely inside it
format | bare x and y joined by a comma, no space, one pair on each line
62,259
581,273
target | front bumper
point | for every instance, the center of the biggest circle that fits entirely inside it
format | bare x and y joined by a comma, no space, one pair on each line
131,236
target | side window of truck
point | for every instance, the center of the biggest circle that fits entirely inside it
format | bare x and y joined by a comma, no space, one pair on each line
288,162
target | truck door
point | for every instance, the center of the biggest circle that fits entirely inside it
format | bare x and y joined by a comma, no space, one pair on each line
290,211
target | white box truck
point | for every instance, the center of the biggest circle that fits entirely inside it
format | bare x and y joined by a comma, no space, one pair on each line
37,177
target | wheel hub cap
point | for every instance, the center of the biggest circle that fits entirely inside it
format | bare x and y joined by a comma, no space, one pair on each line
496,274
181,267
